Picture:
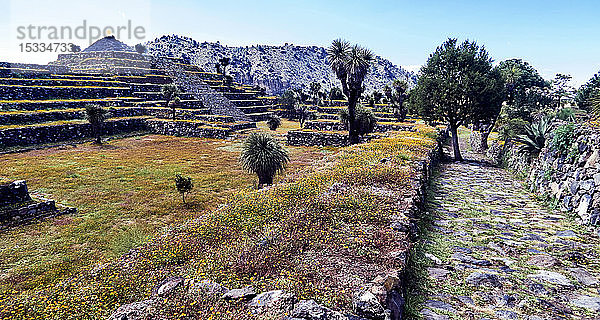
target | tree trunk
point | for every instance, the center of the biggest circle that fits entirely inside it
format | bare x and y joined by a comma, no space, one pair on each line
264,180
455,147
352,132
183,196
173,113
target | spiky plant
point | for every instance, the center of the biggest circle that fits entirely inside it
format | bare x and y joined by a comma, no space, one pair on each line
264,156
96,115
273,121
350,64
534,138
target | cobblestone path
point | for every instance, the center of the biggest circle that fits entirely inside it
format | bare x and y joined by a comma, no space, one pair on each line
488,250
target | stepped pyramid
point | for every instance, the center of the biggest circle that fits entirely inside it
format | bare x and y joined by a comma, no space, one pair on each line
109,43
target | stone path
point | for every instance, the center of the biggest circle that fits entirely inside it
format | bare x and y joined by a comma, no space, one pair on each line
488,250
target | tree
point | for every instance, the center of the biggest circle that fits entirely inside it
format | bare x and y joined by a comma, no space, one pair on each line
218,67
174,104
315,90
224,62
335,94
96,115
586,92
170,92
302,113
140,48
273,121
450,86
490,98
184,185
350,64
75,48
561,89
289,100
365,119
396,97
264,156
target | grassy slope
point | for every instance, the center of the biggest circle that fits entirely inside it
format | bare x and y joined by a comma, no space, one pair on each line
320,235
124,192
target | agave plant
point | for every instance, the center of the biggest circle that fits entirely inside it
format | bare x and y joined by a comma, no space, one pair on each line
535,136
96,115
274,121
263,155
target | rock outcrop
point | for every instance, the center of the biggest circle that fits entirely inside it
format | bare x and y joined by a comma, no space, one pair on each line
276,68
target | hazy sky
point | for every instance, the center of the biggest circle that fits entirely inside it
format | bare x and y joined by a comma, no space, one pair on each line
554,36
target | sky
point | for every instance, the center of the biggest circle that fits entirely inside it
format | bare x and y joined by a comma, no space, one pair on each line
553,36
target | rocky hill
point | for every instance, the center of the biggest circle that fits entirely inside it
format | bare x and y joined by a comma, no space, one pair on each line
275,68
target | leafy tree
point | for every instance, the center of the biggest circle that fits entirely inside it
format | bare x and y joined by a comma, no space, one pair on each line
365,119
184,185
586,92
140,48
273,121
169,93
377,97
526,90
454,87
350,65
561,89
289,100
96,115
264,156
224,62
490,99
396,95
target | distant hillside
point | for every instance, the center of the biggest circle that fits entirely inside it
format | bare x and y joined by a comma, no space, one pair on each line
276,68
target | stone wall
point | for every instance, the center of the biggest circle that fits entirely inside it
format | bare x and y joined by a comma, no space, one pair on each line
319,138
41,134
14,193
186,129
337,126
17,207
574,182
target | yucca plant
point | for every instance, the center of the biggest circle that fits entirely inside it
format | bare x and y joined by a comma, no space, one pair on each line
96,115
264,156
273,121
535,136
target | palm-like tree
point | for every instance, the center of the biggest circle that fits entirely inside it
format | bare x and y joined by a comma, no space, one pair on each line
224,63
350,65
315,90
263,155
169,93
96,115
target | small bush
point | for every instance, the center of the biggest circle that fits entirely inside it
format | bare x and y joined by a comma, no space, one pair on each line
184,185
564,137
565,114
274,121
365,119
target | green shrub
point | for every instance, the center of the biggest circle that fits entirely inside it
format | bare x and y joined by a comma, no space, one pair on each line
365,119
274,121
96,115
565,114
564,137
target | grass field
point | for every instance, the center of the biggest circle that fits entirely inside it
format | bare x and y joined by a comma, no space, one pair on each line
124,192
